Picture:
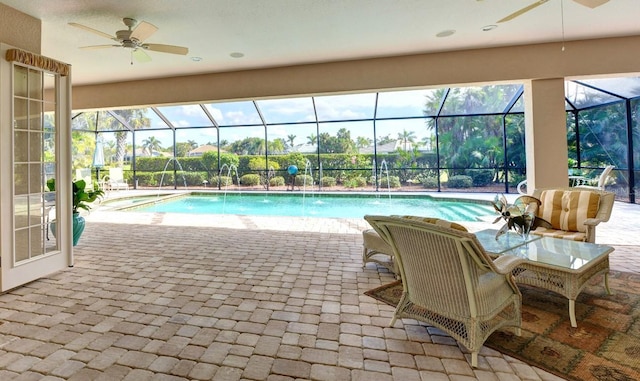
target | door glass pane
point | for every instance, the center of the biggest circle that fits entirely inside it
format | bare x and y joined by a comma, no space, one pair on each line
20,113
21,179
35,84
35,178
35,146
34,162
21,244
21,146
20,81
35,115
21,213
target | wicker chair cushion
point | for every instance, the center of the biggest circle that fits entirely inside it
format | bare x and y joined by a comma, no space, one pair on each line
438,221
574,236
567,210
374,242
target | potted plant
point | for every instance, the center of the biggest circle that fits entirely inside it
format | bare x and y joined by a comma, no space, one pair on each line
82,198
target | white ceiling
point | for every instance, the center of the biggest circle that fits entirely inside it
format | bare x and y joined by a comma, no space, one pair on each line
287,32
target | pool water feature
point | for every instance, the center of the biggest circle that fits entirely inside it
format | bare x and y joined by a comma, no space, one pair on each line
329,206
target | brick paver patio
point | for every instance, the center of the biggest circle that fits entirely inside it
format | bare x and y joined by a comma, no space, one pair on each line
177,297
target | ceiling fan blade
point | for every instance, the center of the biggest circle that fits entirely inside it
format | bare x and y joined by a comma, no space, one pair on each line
522,11
173,49
93,47
140,55
143,31
95,31
591,3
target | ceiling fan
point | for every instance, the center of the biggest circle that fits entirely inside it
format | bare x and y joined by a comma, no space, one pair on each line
133,39
586,3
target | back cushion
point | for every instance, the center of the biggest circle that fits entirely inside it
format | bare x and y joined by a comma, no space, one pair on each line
438,221
567,210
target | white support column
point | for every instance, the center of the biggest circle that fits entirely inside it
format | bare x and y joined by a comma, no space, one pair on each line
546,134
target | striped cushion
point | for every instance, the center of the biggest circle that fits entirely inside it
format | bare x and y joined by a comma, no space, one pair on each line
567,210
438,222
574,236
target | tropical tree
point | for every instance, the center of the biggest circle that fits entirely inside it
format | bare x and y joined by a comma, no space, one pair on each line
127,120
312,139
182,148
363,142
385,139
291,138
474,141
151,144
406,137
276,146
248,146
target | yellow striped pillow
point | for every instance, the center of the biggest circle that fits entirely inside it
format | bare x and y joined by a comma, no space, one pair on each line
567,210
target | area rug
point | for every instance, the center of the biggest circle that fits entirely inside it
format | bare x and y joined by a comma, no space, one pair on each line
604,346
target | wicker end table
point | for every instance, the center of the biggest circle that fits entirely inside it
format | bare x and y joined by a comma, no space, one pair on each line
555,264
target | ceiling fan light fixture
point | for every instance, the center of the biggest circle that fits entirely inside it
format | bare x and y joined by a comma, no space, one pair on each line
446,33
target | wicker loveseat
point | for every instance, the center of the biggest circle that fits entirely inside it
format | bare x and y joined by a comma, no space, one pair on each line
450,282
573,213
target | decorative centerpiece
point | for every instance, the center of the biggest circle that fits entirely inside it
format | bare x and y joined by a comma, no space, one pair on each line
519,216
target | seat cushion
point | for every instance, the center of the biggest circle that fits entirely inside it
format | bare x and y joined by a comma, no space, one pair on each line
567,210
571,235
372,241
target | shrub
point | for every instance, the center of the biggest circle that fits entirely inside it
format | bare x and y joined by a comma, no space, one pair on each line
261,164
356,182
328,181
391,182
480,177
276,181
192,178
222,181
302,180
146,179
430,182
460,181
250,179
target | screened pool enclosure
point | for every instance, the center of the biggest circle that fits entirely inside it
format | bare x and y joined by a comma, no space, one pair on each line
463,139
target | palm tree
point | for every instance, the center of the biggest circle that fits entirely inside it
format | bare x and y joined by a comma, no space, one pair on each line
312,139
406,137
134,118
290,139
151,144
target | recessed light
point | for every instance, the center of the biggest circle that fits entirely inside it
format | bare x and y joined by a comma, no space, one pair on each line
446,33
236,55
487,28
196,59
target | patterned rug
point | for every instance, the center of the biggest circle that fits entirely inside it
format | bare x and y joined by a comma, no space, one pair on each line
604,346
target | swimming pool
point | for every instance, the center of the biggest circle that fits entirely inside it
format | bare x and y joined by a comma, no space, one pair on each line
329,206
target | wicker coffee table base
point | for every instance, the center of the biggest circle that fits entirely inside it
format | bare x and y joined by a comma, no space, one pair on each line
566,282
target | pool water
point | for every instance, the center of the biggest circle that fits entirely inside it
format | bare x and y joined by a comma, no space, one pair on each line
333,206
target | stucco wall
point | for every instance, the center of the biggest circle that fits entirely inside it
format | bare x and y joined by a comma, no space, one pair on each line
20,30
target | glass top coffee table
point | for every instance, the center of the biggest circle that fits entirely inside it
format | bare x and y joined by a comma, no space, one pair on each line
555,264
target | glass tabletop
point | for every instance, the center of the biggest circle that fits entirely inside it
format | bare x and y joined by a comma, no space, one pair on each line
505,242
558,252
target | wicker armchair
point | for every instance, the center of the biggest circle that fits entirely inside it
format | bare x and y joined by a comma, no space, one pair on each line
450,282
573,213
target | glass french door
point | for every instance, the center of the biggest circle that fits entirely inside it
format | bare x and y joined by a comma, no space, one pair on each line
35,228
